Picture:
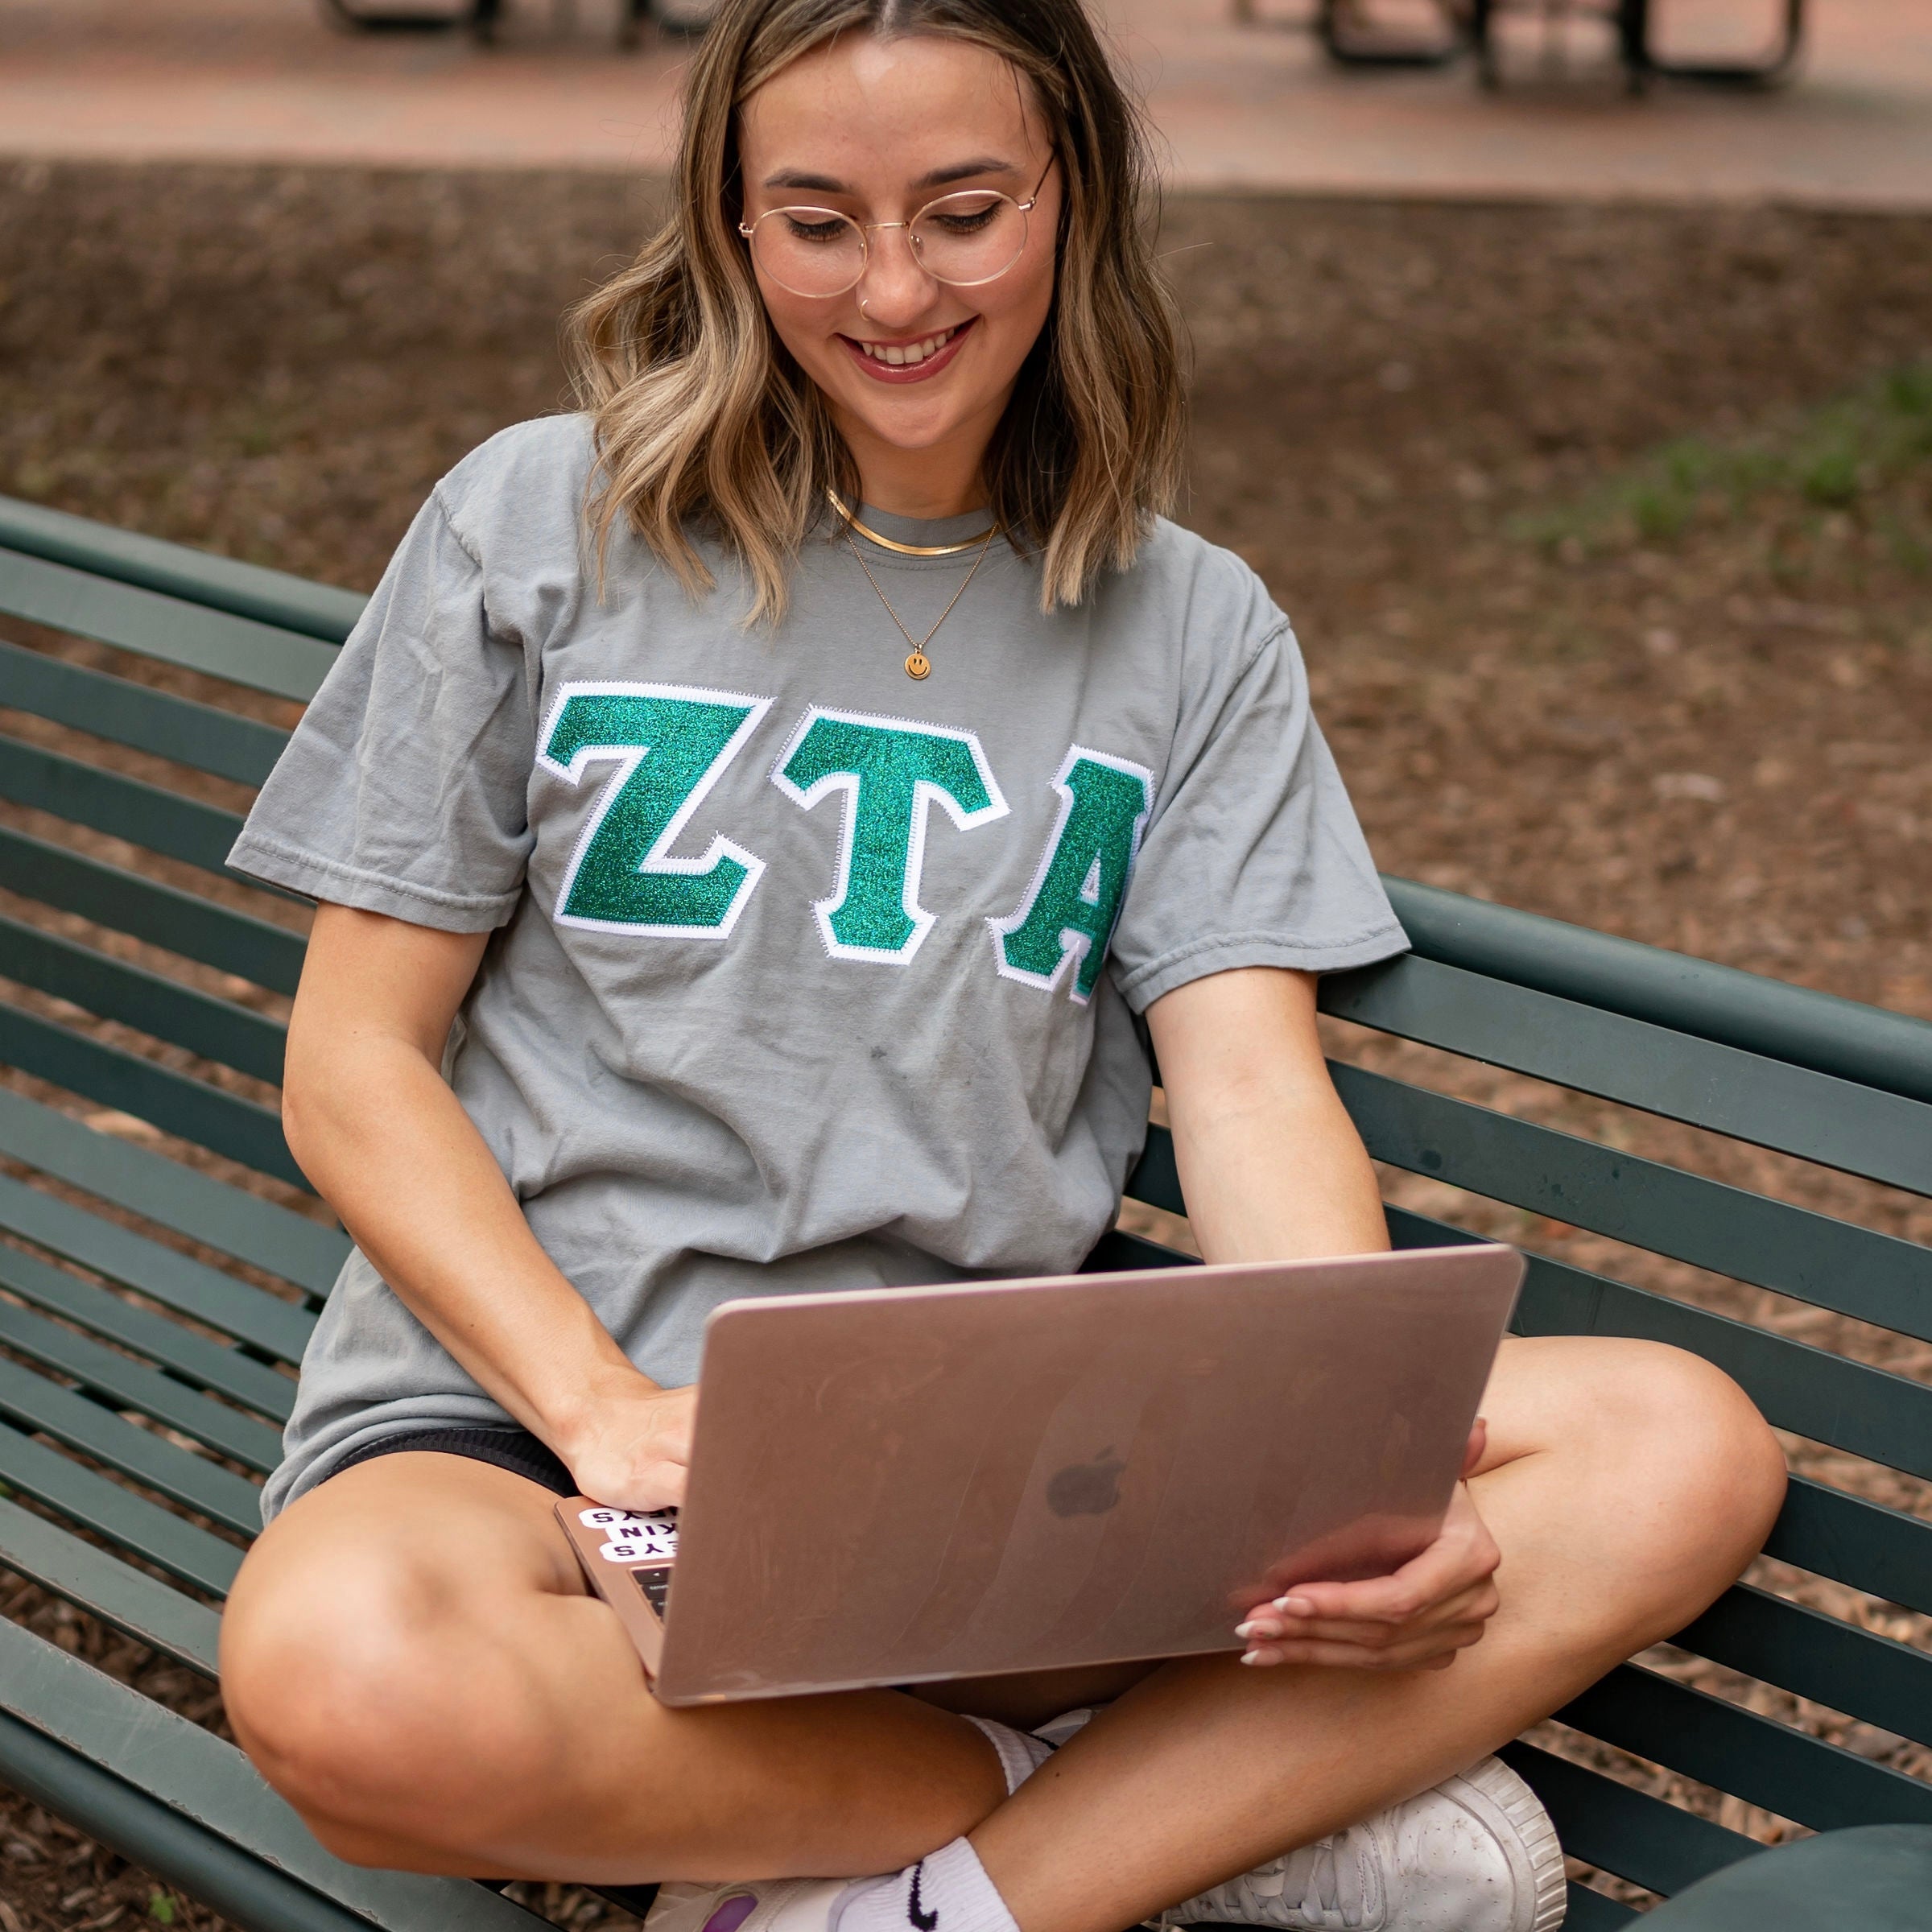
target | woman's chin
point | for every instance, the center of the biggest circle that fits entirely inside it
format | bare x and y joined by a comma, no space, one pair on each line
899,422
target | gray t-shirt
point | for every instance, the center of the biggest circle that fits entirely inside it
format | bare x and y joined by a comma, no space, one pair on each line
801,976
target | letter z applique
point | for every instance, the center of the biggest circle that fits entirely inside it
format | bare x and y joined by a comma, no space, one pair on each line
892,771
671,744
1070,910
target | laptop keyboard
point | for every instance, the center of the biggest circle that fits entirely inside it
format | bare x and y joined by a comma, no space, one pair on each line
655,1584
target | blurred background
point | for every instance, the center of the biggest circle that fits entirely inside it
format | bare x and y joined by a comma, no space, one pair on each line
1579,412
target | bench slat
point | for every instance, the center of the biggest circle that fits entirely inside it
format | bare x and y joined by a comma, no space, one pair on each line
224,1123
112,989
1889,1050
37,1405
1815,1656
1809,1391
146,815
211,1787
201,736
1767,1103
1762,1762
247,1894
274,1239
1883,1552
109,1510
1831,1264
153,1612
133,1385
201,576
209,1364
243,650
1654,1844
163,915
191,1287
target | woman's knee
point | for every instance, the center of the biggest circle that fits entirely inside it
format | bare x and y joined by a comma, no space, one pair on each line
1683,1447
368,1702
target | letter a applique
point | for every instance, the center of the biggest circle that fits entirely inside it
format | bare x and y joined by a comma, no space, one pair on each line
892,771
671,744
1070,910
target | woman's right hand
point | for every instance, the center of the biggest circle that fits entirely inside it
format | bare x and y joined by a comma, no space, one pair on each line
633,1451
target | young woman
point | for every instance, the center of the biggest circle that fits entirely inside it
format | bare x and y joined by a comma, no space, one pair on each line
749,824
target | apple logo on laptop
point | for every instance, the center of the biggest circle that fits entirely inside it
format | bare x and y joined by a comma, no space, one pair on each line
1087,1489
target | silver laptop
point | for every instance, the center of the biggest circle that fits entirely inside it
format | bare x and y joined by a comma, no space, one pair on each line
896,1485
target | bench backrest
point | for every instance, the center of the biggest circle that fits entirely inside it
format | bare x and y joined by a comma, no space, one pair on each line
158,1281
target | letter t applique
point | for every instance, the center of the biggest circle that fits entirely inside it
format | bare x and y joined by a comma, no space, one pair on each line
892,771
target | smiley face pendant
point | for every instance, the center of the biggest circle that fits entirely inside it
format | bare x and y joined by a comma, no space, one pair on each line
918,665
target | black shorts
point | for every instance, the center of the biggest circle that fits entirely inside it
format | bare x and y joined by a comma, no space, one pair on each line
506,1447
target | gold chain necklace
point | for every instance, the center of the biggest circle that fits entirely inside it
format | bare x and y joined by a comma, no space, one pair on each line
903,549
918,664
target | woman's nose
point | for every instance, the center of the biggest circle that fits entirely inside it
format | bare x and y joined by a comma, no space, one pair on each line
895,288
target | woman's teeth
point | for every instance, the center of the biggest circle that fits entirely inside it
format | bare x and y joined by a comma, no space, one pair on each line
900,354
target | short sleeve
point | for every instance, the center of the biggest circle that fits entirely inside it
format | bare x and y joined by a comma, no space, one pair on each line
404,789
1252,856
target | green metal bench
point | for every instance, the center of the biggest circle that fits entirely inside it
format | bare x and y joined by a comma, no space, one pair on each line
142,1388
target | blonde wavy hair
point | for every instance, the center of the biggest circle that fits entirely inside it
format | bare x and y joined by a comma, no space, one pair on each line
703,421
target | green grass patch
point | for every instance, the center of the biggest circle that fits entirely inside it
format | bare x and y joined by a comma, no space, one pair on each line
1866,456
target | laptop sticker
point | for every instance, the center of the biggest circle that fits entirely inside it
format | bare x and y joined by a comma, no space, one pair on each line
649,1549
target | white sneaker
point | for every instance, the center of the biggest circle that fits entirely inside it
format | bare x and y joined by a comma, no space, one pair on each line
1477,1854
765,1904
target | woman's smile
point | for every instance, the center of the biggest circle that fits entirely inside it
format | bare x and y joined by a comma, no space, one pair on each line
909,358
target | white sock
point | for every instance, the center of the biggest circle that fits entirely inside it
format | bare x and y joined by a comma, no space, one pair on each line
947,1891
1021,1753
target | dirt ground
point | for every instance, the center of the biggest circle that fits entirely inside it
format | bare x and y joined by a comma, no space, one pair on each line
1608,532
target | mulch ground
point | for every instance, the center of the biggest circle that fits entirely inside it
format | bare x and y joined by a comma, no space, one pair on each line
1608,532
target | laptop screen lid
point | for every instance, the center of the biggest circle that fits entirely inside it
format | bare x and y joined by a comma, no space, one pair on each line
894,1485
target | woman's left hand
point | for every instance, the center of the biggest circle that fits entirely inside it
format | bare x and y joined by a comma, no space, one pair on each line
1417,1619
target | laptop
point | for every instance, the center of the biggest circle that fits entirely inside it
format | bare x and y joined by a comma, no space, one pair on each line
893,1486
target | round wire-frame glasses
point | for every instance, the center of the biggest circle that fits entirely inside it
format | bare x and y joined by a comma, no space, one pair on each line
964,240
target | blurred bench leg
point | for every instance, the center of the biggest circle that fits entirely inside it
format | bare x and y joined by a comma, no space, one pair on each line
1348,36
1634,24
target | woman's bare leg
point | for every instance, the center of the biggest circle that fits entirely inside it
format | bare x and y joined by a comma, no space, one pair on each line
410,1659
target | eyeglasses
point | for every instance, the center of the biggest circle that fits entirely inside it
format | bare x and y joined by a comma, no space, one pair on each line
964,240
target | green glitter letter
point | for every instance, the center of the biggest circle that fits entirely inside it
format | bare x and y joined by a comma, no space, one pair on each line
671,744
891,772
1069,911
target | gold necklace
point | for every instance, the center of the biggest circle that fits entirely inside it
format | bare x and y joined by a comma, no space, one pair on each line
918,664
903,549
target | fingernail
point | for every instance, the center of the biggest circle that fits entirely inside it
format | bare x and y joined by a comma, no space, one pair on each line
1252,1627
1251,1657
1295,1606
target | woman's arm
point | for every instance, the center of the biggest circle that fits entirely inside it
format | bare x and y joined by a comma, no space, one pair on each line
1274,1170
1271,1164
376,1127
